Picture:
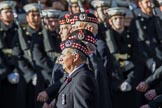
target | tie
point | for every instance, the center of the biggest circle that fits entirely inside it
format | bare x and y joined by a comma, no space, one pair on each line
68,79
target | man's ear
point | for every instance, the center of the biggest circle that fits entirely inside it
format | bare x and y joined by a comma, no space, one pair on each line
75,57
110,21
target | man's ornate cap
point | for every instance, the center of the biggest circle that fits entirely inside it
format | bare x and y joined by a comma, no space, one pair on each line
83,35
100,3
65,19
76,44
85,17
31,7
7,5
116,11
51,13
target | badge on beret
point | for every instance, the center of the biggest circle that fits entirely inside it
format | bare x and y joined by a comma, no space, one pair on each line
81,35
83,16
67,20
68,43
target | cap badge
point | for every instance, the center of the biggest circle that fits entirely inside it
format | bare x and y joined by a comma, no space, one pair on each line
81,35
82,16
68,43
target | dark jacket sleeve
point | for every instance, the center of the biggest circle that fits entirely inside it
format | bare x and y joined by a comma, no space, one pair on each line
42,62
155,77
156,102
159,89
58,77
106,57
84,93
102,81
4,67
21,62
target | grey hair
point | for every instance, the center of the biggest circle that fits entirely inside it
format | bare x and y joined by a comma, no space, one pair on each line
83,57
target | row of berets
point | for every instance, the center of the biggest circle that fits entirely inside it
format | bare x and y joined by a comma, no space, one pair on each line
116,86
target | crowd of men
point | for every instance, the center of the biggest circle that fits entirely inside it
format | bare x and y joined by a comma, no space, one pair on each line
81,54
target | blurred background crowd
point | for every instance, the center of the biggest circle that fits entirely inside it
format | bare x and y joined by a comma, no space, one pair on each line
123,40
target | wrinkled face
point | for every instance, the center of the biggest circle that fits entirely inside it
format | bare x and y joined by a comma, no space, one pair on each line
33,19
64,31
66,59
117,22
75,8
145,6
6,15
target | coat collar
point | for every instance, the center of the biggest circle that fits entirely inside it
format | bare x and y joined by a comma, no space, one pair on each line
84,67
6,27
32,31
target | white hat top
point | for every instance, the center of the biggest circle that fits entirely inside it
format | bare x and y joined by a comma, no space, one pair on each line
51,13
116,11
7,4
100,3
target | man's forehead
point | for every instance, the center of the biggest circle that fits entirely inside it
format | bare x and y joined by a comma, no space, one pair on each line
77,23
117,16
34,13
65,51
74,4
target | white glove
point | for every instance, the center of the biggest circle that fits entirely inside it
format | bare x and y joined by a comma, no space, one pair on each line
14,78
34,80
125,87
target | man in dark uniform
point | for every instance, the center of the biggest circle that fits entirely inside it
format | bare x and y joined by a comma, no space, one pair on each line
149,33
36,54
96,65
89,22
127,60
10,74
79,89
149,36
51,19
58,74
